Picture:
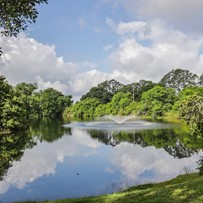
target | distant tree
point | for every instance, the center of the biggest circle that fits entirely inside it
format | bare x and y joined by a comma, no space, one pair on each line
14,114
100,110
119,103
179,79
136,89
27,93
85,108
16,14
189,91
104,91
111,86
186,92
18,107
5,94
53,102
157,101
191,110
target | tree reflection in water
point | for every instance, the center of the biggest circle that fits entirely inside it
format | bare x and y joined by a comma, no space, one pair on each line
12,147
131,154
179,144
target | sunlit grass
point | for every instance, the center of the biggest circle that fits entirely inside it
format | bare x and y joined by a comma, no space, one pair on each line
183,189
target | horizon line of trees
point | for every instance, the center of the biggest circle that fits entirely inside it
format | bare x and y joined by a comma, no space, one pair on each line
179,93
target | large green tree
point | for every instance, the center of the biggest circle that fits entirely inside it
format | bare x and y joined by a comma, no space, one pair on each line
119,103
27,93
191,110
5,93
179,79
15,15
14,114
85,108
136,89
104,91
157,101
53,102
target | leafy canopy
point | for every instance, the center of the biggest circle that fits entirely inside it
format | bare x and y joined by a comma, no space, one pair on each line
15,15
179,79
104,91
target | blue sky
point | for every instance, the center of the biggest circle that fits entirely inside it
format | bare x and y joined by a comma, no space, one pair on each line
76,44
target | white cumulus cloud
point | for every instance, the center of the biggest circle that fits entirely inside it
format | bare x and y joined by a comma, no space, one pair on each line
148,50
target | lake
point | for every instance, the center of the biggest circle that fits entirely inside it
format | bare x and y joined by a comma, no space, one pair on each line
56,159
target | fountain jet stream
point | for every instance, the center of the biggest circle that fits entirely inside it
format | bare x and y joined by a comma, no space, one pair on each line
120,119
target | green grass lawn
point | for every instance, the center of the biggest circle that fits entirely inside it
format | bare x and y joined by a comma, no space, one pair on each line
184,188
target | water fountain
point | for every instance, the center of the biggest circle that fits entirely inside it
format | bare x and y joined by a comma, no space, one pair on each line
116,123
120,119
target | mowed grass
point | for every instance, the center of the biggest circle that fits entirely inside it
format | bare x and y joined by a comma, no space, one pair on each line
184,189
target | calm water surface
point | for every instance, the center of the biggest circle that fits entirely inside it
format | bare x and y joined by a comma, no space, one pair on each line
56,160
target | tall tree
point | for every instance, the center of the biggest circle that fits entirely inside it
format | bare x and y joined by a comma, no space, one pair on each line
5,93
15,15
53,102
85,108
157,101
136,89
119,103
104,91
27,93
178,79
191,110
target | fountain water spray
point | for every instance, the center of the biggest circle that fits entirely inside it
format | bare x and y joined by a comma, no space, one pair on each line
120,119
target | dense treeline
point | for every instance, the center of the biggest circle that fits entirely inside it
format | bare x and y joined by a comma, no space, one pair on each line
179,94
23,103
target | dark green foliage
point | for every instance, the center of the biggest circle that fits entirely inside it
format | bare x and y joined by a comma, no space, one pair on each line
27,93
157,101
104,91
20,107
136,89
100,93
179,79
48,130
101,110
191,110
14,114
21,104
53,102
119,103
16,14
186,92
5,93
85,108
189,91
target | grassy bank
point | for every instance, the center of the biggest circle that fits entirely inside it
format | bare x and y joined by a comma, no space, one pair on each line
184,189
